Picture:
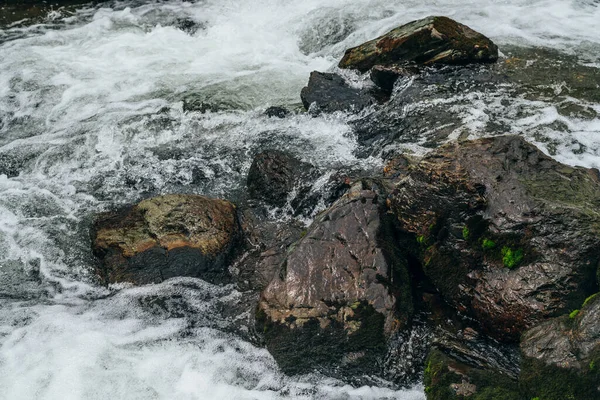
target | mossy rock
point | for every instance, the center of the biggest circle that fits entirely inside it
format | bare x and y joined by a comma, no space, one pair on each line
549,382
562,356
506,234
446,378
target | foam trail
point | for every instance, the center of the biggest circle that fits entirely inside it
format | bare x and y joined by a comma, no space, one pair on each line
92,116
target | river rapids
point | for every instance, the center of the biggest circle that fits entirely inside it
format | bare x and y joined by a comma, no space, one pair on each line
93,115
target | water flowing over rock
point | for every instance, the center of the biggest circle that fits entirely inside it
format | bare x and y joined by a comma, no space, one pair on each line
432,40
385,76
505,233
164,237
562,355
341,290
330,92
274,174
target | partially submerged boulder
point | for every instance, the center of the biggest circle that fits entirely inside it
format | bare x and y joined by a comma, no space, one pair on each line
386,76
341,290
562,355
164,237
330,92
505,233
432,40
274,174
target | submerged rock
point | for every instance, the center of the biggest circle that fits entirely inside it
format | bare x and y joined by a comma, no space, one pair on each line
277,111
562,355
432,40
330,93
164,237
341,290
506,234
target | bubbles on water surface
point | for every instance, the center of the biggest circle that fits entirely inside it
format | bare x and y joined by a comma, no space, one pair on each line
92,115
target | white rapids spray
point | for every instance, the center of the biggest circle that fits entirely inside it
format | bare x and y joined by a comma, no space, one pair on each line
91,116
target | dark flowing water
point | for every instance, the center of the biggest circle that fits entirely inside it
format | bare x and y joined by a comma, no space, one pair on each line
92,116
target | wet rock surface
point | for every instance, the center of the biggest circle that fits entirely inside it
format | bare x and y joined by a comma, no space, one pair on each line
505,233
448,378
267,243
385,76
330,92
432,40
341,288
274,174
164,237
561,356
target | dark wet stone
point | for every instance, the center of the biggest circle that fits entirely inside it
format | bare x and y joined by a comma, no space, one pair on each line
506,234
385,77
165,237
432,40
188,25
562,355
340,286
448,378
274,174
330,93
279,112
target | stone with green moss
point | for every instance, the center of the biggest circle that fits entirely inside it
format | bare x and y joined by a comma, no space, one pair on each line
511,258
488,244
560,356
446,378
533,230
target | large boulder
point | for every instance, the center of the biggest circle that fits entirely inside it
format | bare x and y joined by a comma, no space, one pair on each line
561,357
341,290
164,237
330,92
505,233
432,40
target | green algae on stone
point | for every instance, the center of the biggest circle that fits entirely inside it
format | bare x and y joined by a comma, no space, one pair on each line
446,378
511,258
488,244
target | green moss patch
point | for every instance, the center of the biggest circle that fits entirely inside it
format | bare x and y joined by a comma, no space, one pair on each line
442,372
511,257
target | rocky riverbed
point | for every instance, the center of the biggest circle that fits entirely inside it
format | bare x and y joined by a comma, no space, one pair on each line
411,213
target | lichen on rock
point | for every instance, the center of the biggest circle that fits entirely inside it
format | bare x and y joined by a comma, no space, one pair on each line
166,236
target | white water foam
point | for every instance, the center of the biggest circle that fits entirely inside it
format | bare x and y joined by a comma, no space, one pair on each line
91,117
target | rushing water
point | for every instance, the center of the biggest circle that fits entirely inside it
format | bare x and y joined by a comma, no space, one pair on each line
91,116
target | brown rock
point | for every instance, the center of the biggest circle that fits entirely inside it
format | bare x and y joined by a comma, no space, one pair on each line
432,40
339,286
562,355
166,236
508,235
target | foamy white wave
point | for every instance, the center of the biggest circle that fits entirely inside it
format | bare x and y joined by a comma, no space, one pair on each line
91,116
121,347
